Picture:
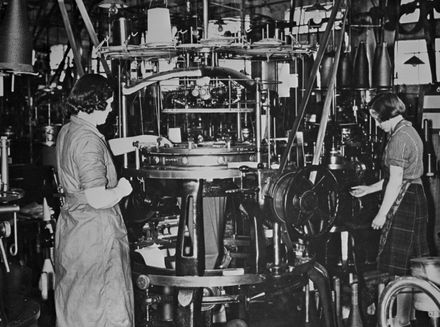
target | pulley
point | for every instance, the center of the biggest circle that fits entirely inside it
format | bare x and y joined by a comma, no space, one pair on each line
306,201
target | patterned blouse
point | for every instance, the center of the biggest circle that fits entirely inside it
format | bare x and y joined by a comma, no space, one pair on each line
405,149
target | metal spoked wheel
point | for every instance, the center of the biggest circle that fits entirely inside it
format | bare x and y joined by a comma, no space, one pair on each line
307,201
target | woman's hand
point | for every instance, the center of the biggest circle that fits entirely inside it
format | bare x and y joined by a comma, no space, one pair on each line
378,221
124,186
360,190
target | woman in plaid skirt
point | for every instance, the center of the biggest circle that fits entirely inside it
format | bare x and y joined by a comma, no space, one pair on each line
403,213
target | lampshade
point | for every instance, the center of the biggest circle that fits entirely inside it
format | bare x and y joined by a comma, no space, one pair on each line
414,61
15,39
107,4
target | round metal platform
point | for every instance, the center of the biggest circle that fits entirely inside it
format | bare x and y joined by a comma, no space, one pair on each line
12,194
205,281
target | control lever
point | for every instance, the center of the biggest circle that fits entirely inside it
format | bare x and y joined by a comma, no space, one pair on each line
5,231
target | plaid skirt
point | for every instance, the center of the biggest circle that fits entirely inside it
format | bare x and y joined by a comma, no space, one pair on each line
407,237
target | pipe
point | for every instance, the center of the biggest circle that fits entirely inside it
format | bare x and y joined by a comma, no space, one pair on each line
394,287
163,76
319,276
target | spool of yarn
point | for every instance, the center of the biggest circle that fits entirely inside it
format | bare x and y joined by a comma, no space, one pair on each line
305,69
159,26
361,69
326,68
381,67
345,71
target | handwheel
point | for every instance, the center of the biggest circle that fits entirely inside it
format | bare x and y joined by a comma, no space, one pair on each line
307,201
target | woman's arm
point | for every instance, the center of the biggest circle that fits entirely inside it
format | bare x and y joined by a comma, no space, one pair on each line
392,189
391,192
102,198
362,190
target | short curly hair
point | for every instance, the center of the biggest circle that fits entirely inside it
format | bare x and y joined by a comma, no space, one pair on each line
89,93
387,106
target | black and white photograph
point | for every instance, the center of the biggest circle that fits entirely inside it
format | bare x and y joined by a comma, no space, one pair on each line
219,163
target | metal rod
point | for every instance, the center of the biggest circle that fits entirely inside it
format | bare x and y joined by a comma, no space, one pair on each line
92,34
238,122
205,18
5,258
256,245
71,37
269,127
311,80
138,158
258,120
123,122
10,208
120,95
14,249
276,244
4,161
30,119
329,98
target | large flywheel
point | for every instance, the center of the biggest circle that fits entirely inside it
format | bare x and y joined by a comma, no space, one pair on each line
306,201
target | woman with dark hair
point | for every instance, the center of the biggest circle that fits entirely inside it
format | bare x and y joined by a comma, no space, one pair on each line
402,215
93,277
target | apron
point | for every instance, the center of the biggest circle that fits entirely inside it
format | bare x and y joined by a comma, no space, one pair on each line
92,265
389,217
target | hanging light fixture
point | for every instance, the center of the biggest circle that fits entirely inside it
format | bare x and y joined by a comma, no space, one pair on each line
414,61
317,14
112,3
220,24
316,7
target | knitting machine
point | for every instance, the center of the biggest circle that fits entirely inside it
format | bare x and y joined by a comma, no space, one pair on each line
216,227
223,217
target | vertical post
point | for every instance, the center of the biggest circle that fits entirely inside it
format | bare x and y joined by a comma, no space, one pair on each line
258,119
269,127
205,18
31,129
239,117
123,121
276,247
4,161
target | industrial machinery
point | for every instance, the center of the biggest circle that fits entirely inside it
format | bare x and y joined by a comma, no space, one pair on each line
224,214
15,309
